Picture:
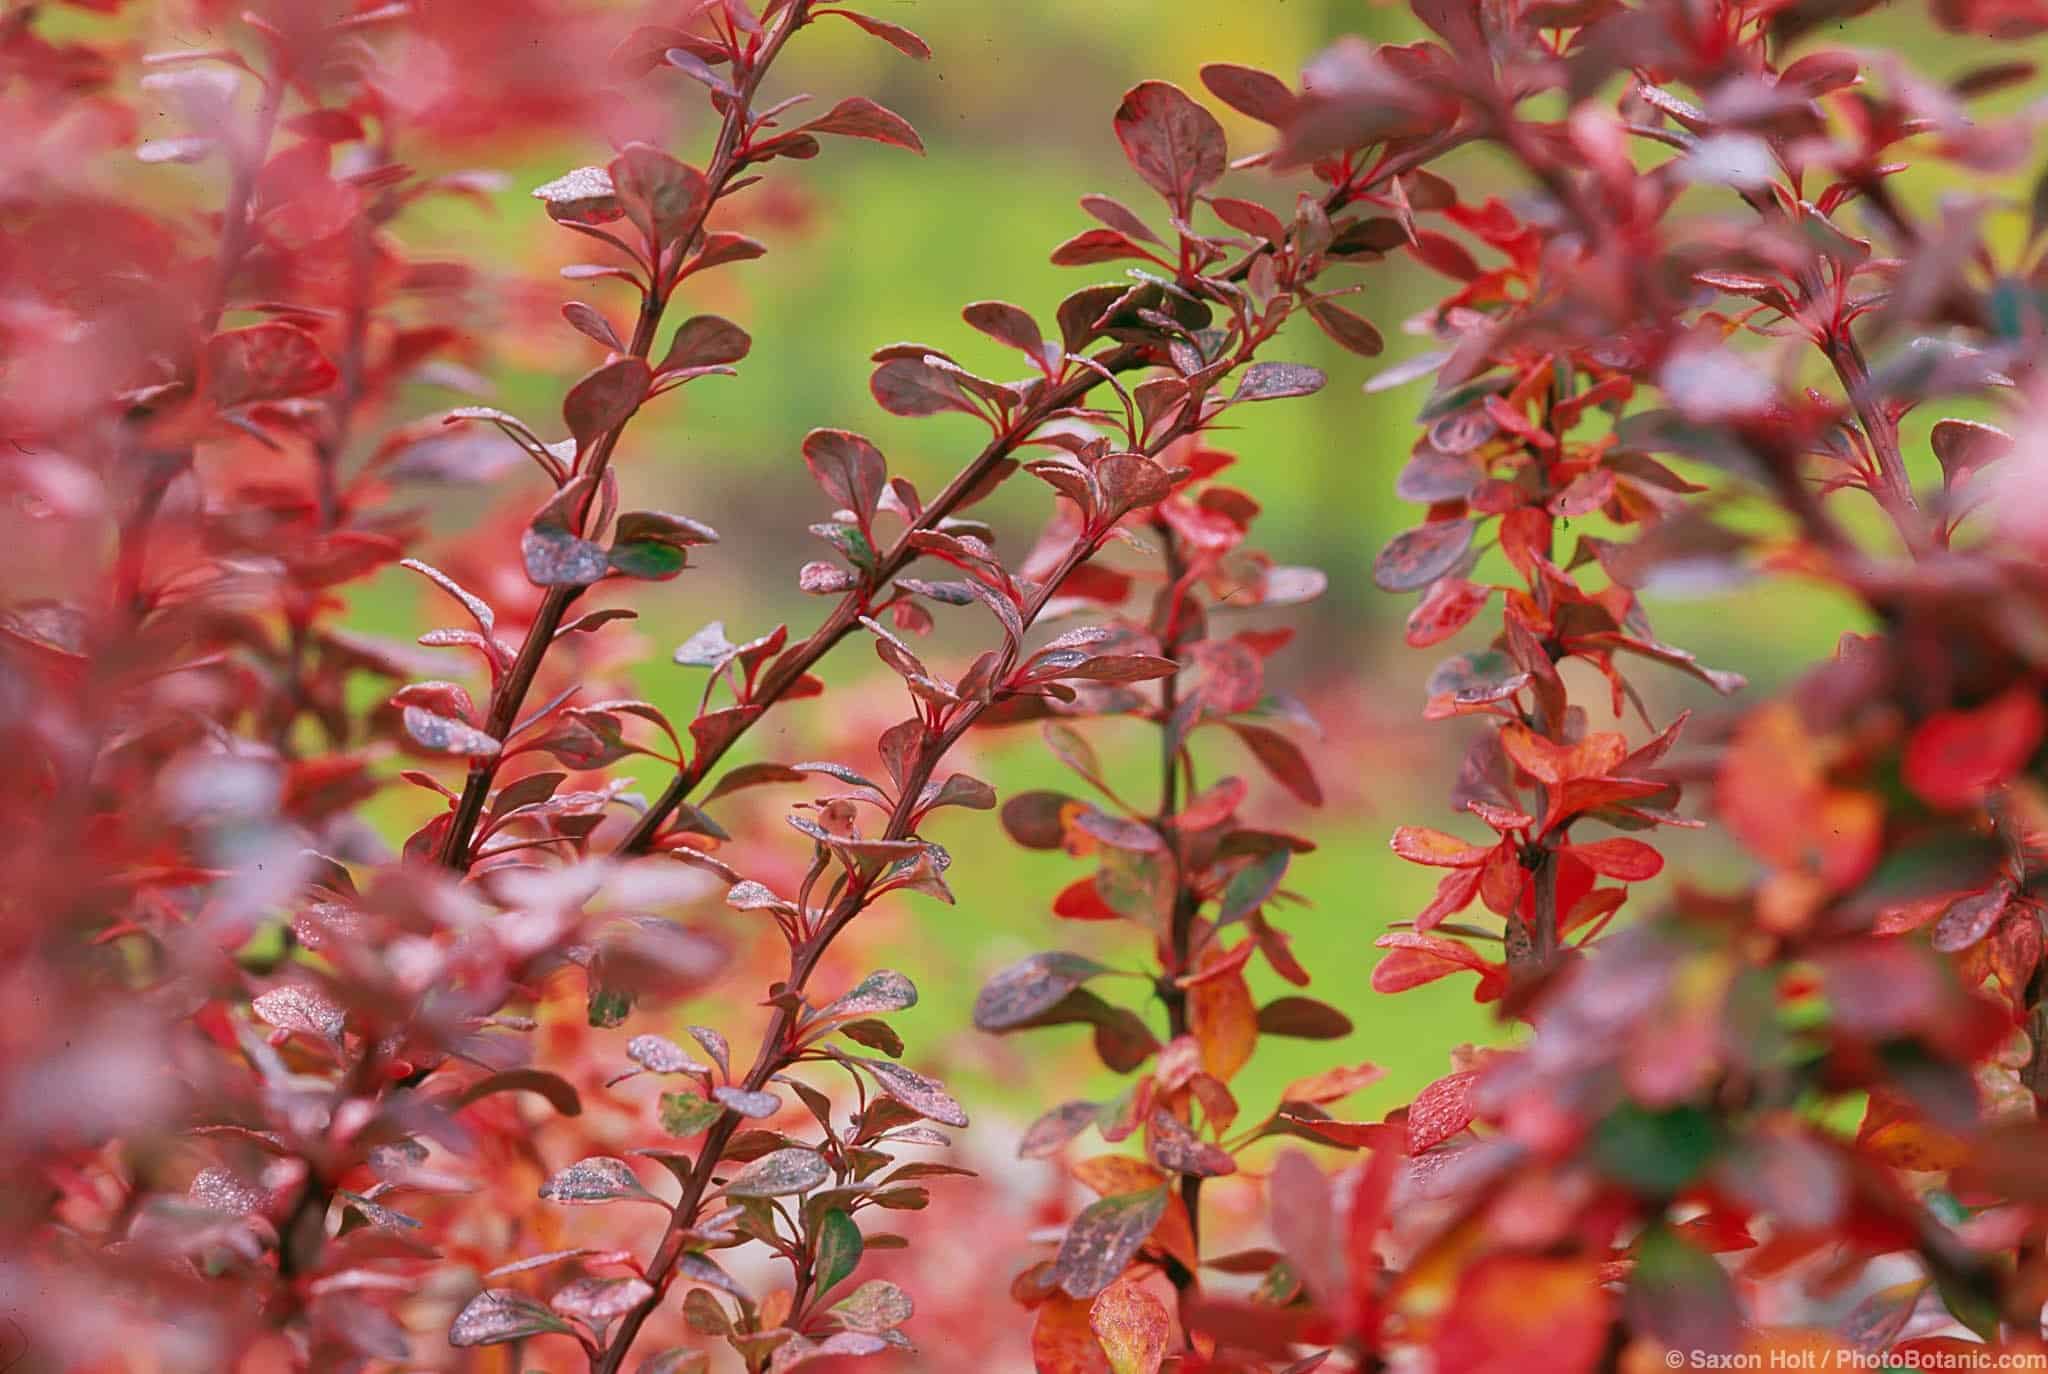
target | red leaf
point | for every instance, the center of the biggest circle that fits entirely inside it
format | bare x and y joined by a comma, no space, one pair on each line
1955,757
1631,861
1062,1341
1416,959
663,197
1249,91
265,362
1347,329
859,117
895,35
849,468
1440,1111
605,399
706,341
1096,245
1413,560
1175,145
1008,324
1419,844
1453,895
1082,901
1446,608
1283,760
1509,1305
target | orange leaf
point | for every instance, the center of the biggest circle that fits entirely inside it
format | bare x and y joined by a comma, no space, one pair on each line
1631,861
1418,844
1132,1327
1061,1342
1509,1306
1552,763
1223,1019
1332,1084
1115,1175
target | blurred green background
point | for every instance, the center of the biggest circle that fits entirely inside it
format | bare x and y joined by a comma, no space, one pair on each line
1016,111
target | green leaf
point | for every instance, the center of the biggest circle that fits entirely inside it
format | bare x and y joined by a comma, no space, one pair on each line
686,1114
839,1249
648,560
1657,1153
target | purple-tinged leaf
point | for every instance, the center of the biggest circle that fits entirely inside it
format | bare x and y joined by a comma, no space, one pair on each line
1120,218
446,735
605,399
598,1302
658,1054
1028,989
1174,144
851,470
1249,91
1091,246
706,341
859,117
781,1173
895,35
1008,324
1050,1134
1101,1241
592,324
758,1106
925,1096
498,1315
665,198
1273,381
911,386
1413,560
598,1179
584,196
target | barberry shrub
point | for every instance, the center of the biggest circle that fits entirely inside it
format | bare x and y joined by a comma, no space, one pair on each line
287,1087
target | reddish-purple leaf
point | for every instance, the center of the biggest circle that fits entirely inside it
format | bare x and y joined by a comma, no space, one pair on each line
1273,381
1008,324
1175,144
584,196
1249,91
895,35
665,198
1119,217
1419,557
1102,1240
1096,245
592,324
706,341
1028,989
1347,330
446,735
849,468
265,362
859,117
1282,759
911,386
604,399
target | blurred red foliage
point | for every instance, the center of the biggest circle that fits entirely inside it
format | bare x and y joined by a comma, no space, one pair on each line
276,1097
